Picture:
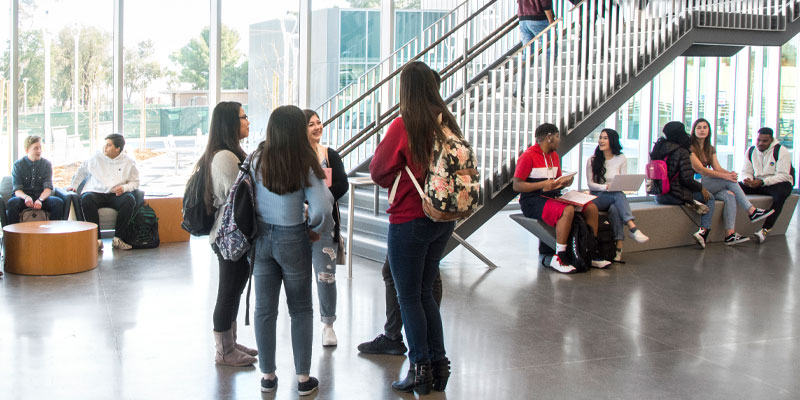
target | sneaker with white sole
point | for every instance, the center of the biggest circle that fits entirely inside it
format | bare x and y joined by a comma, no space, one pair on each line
329,337
117,243
761,235
618,255
639,237
701,236
735,238
269,385
99,245
307,387
600,263
557,264
760,214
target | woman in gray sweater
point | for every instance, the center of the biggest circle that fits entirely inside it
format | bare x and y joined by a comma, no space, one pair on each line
229,125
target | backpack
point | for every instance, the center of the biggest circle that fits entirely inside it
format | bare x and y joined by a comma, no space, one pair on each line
196,219
606,245
582,244
658,181
31,215
143,228
452,185
776,151
238,228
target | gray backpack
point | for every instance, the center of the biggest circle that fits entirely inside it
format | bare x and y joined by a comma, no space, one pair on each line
31,215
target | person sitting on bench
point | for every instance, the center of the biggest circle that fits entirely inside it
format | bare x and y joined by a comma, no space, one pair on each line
768,171
32,180
112,177
537,180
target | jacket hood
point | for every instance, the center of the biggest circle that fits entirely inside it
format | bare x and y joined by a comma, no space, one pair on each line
675,132
663,148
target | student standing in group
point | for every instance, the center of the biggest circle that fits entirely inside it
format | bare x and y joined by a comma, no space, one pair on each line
221,159
287,175
538,180
32,181
416,243
601,168
721,183
325,249
768,170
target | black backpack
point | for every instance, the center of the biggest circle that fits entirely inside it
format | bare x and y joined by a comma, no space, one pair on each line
776,152
143,228
606,245
582,244
196,219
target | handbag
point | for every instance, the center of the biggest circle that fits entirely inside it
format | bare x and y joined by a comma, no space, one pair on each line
31,215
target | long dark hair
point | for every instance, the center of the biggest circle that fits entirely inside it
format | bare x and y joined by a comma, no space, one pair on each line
420,106
222,135
707,148
599,159
286,155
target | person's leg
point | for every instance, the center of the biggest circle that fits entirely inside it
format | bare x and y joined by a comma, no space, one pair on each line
292,251
54,206
124,204
394,322
592,216
615,219
13,208
267,279
229,291
729,210
90,203
323,257
741,198
564,225
443,230
779,193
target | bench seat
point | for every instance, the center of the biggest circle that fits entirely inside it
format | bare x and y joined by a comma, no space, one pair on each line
672,226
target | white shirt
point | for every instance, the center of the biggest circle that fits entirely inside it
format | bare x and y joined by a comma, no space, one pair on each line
105,173
617,165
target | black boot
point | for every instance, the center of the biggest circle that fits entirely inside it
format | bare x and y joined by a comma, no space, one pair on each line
406,385
424,379
441,373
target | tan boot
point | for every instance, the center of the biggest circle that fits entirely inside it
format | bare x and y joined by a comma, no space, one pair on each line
226,351
245,349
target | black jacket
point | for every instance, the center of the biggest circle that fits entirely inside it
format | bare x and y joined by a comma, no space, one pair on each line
678,161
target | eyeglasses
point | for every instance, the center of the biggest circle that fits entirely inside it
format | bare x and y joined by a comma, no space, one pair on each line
244,117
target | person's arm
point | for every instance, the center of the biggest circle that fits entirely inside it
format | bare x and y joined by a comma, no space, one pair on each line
133,179
686,174
339,176
747,170
80,175
320,205
782,168
224,171
724,173
47,183
593,186
388,159
548,11
698,167
519,184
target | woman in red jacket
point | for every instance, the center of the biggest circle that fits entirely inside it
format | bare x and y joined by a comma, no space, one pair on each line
416,243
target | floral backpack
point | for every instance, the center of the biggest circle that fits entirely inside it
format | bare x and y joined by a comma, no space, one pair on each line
453,185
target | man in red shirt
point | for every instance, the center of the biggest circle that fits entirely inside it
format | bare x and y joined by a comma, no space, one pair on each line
537,179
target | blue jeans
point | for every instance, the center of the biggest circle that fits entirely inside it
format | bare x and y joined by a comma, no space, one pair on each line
705,220
719,188
415,249
283,254
619,210
528,30
323,256
52,204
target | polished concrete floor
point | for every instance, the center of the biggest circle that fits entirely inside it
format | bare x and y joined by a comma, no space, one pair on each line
671,324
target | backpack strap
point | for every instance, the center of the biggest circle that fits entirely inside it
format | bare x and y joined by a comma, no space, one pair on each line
776,152
750,153
393,191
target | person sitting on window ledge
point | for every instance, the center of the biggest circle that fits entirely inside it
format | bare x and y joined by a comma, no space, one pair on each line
112,177
32,181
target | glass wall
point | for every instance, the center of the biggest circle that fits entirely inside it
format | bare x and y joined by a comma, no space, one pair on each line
5,153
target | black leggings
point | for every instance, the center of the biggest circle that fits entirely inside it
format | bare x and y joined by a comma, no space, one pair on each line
233,277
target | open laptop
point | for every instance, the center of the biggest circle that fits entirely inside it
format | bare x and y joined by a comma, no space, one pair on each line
626,183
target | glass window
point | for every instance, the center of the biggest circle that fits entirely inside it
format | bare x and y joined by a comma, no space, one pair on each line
788,97
373,37
691,90
353,40
5,20
408,25
72,116
666,82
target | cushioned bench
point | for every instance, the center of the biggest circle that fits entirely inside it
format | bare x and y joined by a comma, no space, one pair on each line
672,226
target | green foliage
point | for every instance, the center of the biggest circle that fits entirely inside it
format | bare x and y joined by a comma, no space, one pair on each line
94,62
140,69
31,63
193,61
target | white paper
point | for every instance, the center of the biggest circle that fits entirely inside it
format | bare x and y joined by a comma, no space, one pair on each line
577,197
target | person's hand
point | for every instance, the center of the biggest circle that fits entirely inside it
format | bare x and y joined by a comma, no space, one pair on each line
732,176
28,201
757,183
118,190
748,182
566,182
313,236
37,205
549,185
706,195
70,189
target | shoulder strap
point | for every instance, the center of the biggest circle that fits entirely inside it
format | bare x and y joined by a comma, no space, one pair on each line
776,151
393,191
750,154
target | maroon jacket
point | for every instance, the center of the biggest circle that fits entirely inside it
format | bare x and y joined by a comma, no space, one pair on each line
533,9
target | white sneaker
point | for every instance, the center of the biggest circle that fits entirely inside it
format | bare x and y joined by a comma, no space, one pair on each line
761,235
600,264
639,237
117,243
329,337
618,255
99,245
560,266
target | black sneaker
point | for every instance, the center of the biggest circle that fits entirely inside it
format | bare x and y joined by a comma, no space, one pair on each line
701,236
735,238
307,387
760,214
269,385
383,345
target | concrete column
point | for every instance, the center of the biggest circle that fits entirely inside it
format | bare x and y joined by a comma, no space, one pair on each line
304,69
214,56
119,7
13,86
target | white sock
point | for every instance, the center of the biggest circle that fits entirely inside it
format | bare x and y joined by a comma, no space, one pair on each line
560,247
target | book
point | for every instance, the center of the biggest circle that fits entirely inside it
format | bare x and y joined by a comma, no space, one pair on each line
565,175
576,198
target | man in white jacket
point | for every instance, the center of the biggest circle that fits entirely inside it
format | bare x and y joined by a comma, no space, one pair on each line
112,177
767,170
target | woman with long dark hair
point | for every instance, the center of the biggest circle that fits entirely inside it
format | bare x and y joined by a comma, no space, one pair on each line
416,243
324,250
221,159
601,168
721,183
287,175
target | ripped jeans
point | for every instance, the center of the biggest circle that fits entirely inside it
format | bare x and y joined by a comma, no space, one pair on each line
323,257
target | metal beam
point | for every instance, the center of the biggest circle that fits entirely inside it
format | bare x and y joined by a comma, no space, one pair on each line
119,11
13,87
214,56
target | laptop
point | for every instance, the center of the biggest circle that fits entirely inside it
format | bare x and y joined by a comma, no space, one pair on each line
626,183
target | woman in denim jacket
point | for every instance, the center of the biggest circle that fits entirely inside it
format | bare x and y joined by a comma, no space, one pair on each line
288,175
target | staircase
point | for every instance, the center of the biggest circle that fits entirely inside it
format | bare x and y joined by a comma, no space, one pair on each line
593,71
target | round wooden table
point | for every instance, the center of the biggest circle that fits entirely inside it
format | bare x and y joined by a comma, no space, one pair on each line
50,247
